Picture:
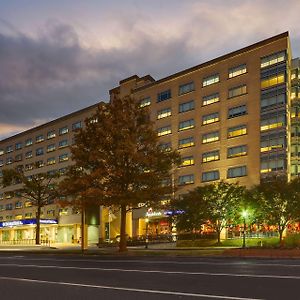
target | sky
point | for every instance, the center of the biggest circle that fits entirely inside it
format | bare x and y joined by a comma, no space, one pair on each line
57,57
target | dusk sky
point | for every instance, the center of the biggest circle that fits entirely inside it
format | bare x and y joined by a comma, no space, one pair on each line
59,56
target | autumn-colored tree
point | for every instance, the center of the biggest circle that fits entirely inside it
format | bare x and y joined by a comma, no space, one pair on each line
118,160
279,201
212,204
39,189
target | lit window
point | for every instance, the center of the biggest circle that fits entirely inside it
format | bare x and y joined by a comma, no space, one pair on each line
188,124
165,95
211,118
186,142
236,71
186,179
164,131
186,88
237,131
1,151
63,130
18,204
186,106
28,154
210,176
272,141
28,215
237,91
9,149
51,134
18,217
166,146
51,148
63,143
210,99
237,151
272,165
63,157
28,167
28,204
211,156
210,80
39,138
145,102
237,172
39,164
166,112
210,137
187,161
28,142
9,160
273,59
51,161
272,80
272,121
237,111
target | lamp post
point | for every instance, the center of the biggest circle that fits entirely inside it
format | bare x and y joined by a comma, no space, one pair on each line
244,215
147,224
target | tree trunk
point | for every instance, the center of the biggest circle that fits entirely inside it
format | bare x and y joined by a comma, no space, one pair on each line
123,242
280,230
83,237
38,226
219,236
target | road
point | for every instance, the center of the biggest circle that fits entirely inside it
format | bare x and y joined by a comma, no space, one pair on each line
114,277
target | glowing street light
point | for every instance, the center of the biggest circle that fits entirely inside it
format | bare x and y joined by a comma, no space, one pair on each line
147,240
244,215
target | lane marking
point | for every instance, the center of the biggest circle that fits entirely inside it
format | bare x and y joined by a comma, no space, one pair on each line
233,263
151,271
127,289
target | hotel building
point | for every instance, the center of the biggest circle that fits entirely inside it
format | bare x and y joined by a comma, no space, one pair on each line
234,118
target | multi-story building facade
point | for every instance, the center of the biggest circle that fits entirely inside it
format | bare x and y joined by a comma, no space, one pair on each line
40,150
234,118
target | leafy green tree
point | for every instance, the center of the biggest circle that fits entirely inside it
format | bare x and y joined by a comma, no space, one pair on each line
213,204
279,201
39,189
118,160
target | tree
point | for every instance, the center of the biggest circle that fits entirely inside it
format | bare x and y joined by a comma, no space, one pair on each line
214,204
279,201
118,160
39,189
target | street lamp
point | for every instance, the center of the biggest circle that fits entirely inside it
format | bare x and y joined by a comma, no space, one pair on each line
147,224
244,215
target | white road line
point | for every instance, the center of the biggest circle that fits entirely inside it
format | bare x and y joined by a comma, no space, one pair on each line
231,263
127,289
151,271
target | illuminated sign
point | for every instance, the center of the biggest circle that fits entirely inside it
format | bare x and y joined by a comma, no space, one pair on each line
27,222
151,213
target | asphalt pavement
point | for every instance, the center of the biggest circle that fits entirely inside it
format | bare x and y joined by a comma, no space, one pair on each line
29,276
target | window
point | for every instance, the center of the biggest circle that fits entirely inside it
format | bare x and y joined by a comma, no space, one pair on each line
210,137
39,138
237,172
237,91
18,204
145,102
9,206
184,125
28,154
28,204
272,121
63,143
210,99
9,149
237,151
52,172
63,130
187,161
18,146
210,80
164,130
272,165
186,88
186,106
186,142
273,97
18,217
28,167
186,179
76,125
39,164
51,148
211,156
18,157
28,215
28,142
63,157
51,161
62,171
166,112
9,160
51,134
236,131
210,176
272,80
1,162
39,151
236,71
237,111
272,59
272,141
165,95
1,151
166,146
211,118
